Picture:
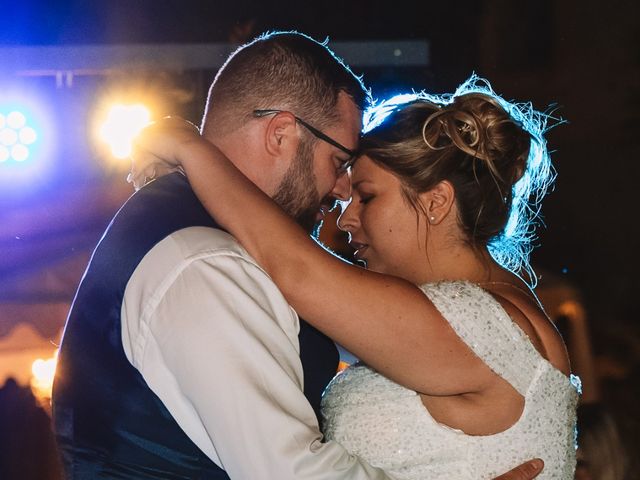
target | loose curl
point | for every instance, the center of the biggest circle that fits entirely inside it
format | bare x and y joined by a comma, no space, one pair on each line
491,150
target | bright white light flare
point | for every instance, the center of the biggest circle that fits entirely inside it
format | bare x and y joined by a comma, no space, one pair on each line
8,136
43,372
16,120
122,125
27,135
19,153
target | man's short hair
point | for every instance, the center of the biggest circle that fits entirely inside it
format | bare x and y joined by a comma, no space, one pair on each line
281,70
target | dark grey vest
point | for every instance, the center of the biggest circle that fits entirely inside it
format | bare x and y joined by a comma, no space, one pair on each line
108,423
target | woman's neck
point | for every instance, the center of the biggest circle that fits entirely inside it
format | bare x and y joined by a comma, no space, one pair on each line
461,262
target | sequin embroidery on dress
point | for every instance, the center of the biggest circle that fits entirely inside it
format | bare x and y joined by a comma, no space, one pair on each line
388,425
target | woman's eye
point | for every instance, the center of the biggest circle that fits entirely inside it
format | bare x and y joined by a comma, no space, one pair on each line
365,198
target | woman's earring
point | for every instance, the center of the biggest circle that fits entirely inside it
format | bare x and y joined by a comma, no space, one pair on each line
432,219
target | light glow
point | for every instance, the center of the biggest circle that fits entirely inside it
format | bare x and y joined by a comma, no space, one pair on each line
19,153
27,135
122,125
8,136
29,139
42,374
16,120
17,138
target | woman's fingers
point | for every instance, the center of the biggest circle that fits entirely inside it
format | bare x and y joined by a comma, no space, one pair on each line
144,167
155,149
165,136
526,471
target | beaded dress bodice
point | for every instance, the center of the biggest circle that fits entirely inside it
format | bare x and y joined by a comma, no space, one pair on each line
388,425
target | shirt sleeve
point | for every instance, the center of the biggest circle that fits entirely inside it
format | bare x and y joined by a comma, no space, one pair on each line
217,342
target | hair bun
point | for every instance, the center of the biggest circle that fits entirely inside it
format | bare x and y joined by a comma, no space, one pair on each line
477,125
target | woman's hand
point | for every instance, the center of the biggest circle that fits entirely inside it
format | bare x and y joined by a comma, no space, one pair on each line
157,149
526,471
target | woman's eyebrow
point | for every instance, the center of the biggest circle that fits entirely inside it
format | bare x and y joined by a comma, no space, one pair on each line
360,182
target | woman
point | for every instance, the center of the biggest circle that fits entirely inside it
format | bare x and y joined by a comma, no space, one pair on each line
463,375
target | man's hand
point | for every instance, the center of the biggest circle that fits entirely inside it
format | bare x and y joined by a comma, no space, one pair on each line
526,471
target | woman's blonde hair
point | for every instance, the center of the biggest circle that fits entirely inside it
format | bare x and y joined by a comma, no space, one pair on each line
492,151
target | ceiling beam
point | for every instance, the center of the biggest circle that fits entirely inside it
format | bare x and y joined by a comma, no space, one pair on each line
104,59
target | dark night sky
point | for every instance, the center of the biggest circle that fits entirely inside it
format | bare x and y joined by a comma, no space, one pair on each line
583,56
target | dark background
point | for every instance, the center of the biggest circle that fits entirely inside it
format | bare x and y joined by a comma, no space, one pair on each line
582,58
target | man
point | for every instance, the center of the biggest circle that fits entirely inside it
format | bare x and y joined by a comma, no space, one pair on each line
180,358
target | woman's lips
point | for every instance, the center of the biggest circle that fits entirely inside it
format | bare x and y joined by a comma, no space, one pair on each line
359,249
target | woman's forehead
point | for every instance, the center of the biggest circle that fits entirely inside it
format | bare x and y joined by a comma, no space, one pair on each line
361,166
366,170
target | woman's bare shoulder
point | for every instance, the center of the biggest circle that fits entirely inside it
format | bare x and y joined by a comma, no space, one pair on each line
528,314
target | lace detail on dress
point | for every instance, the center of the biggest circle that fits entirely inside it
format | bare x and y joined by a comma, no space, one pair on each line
388,426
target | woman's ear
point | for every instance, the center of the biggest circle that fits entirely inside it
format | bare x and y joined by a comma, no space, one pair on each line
281,135
438,201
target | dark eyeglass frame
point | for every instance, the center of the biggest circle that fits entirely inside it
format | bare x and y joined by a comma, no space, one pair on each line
316,133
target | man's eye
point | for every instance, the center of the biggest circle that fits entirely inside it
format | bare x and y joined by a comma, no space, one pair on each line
365,198
342,165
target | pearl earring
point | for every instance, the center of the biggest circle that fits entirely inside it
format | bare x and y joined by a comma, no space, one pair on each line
432,219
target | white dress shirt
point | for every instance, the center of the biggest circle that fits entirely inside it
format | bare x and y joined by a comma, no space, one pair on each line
217,342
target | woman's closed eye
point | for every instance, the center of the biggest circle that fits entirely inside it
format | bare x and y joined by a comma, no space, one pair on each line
365,198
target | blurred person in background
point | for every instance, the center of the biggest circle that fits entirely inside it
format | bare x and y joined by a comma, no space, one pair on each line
27,446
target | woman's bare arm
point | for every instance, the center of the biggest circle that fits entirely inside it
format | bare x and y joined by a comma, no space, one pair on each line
384,320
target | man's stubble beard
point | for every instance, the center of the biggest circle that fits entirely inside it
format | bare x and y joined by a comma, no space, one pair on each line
297,193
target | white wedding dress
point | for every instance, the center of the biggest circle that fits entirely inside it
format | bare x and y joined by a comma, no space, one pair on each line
388,426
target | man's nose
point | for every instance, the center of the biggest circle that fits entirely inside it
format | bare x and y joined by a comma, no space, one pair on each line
348,219
342,188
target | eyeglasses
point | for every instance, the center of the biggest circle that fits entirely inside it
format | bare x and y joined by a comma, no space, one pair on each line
318,134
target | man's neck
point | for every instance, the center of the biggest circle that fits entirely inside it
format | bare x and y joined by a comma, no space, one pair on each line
240,148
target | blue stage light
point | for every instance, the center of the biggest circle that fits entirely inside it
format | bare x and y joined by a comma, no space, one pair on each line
17,136
19,153
4,153
27,141
16,120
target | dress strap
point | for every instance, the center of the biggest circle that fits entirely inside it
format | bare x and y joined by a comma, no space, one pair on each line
481,322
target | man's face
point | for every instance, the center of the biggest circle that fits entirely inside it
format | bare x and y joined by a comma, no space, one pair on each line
313,180
297,194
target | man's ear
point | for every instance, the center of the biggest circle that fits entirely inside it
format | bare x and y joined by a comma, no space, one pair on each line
281,136
438,201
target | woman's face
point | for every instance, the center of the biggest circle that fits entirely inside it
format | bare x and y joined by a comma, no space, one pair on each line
383,227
